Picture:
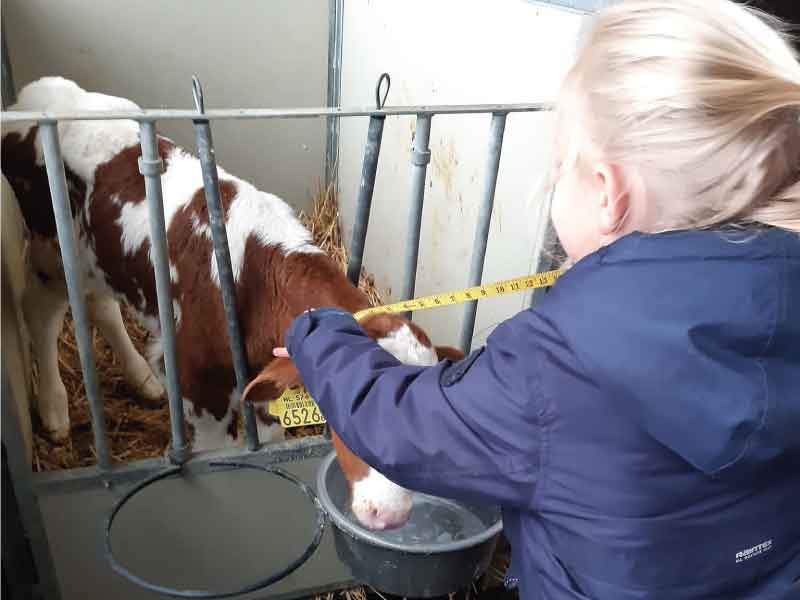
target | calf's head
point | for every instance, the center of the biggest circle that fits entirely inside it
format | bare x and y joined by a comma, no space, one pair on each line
376,502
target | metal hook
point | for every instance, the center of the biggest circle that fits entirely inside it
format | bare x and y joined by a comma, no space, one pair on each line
197,94
379,104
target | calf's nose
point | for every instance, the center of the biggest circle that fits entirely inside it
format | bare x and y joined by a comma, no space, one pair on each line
380,519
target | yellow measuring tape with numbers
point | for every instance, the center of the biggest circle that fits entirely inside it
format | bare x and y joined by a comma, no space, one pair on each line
296,408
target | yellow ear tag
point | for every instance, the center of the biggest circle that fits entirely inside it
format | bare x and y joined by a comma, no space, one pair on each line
296,408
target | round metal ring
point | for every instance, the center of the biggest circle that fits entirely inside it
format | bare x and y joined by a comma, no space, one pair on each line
258,585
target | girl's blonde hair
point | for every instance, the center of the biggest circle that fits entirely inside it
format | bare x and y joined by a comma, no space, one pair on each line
703,98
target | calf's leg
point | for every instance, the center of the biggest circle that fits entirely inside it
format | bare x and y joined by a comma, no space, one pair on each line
44,307
105,313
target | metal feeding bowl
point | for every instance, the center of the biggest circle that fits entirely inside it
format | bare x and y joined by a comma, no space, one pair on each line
443,548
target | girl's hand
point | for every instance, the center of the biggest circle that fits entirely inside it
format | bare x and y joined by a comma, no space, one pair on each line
280,351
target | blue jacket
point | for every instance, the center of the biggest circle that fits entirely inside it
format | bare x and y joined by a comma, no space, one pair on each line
640,426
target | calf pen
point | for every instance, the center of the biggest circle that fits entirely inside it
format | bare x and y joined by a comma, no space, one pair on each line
84,496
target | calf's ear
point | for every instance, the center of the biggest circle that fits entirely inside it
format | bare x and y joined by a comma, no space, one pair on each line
276,376
445,352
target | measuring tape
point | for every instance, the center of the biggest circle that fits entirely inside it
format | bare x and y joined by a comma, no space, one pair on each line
296,408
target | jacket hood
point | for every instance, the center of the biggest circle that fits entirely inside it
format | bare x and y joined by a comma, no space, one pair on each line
697,335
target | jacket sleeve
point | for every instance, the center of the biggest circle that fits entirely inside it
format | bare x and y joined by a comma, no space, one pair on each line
466,430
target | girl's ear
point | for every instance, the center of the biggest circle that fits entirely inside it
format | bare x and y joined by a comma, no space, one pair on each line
275,377
615,199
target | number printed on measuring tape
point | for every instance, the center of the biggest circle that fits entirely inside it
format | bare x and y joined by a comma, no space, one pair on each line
296,408
537,280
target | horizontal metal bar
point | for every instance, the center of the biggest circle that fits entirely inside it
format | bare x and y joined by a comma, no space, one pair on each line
73,271
71,480
269,113
581,7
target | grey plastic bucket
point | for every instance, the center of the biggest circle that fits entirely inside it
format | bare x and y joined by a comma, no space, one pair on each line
406,569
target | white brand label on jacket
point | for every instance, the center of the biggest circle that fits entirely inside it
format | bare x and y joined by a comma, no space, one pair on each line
749,553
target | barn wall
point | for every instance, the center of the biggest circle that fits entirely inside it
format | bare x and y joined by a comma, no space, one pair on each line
453,52
247,53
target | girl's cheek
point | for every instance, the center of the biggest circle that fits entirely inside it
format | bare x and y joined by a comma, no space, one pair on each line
560,213
574,217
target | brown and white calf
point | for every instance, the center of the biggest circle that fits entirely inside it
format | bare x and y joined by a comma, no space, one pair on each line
278,274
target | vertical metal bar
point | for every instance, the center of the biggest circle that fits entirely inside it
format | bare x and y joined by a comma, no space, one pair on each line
57,179
496,131
19,468
151,167
335,28
420,157
364,203
551,256
9,90
208,164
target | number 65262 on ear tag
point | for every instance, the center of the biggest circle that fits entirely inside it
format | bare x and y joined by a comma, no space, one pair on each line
296,408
